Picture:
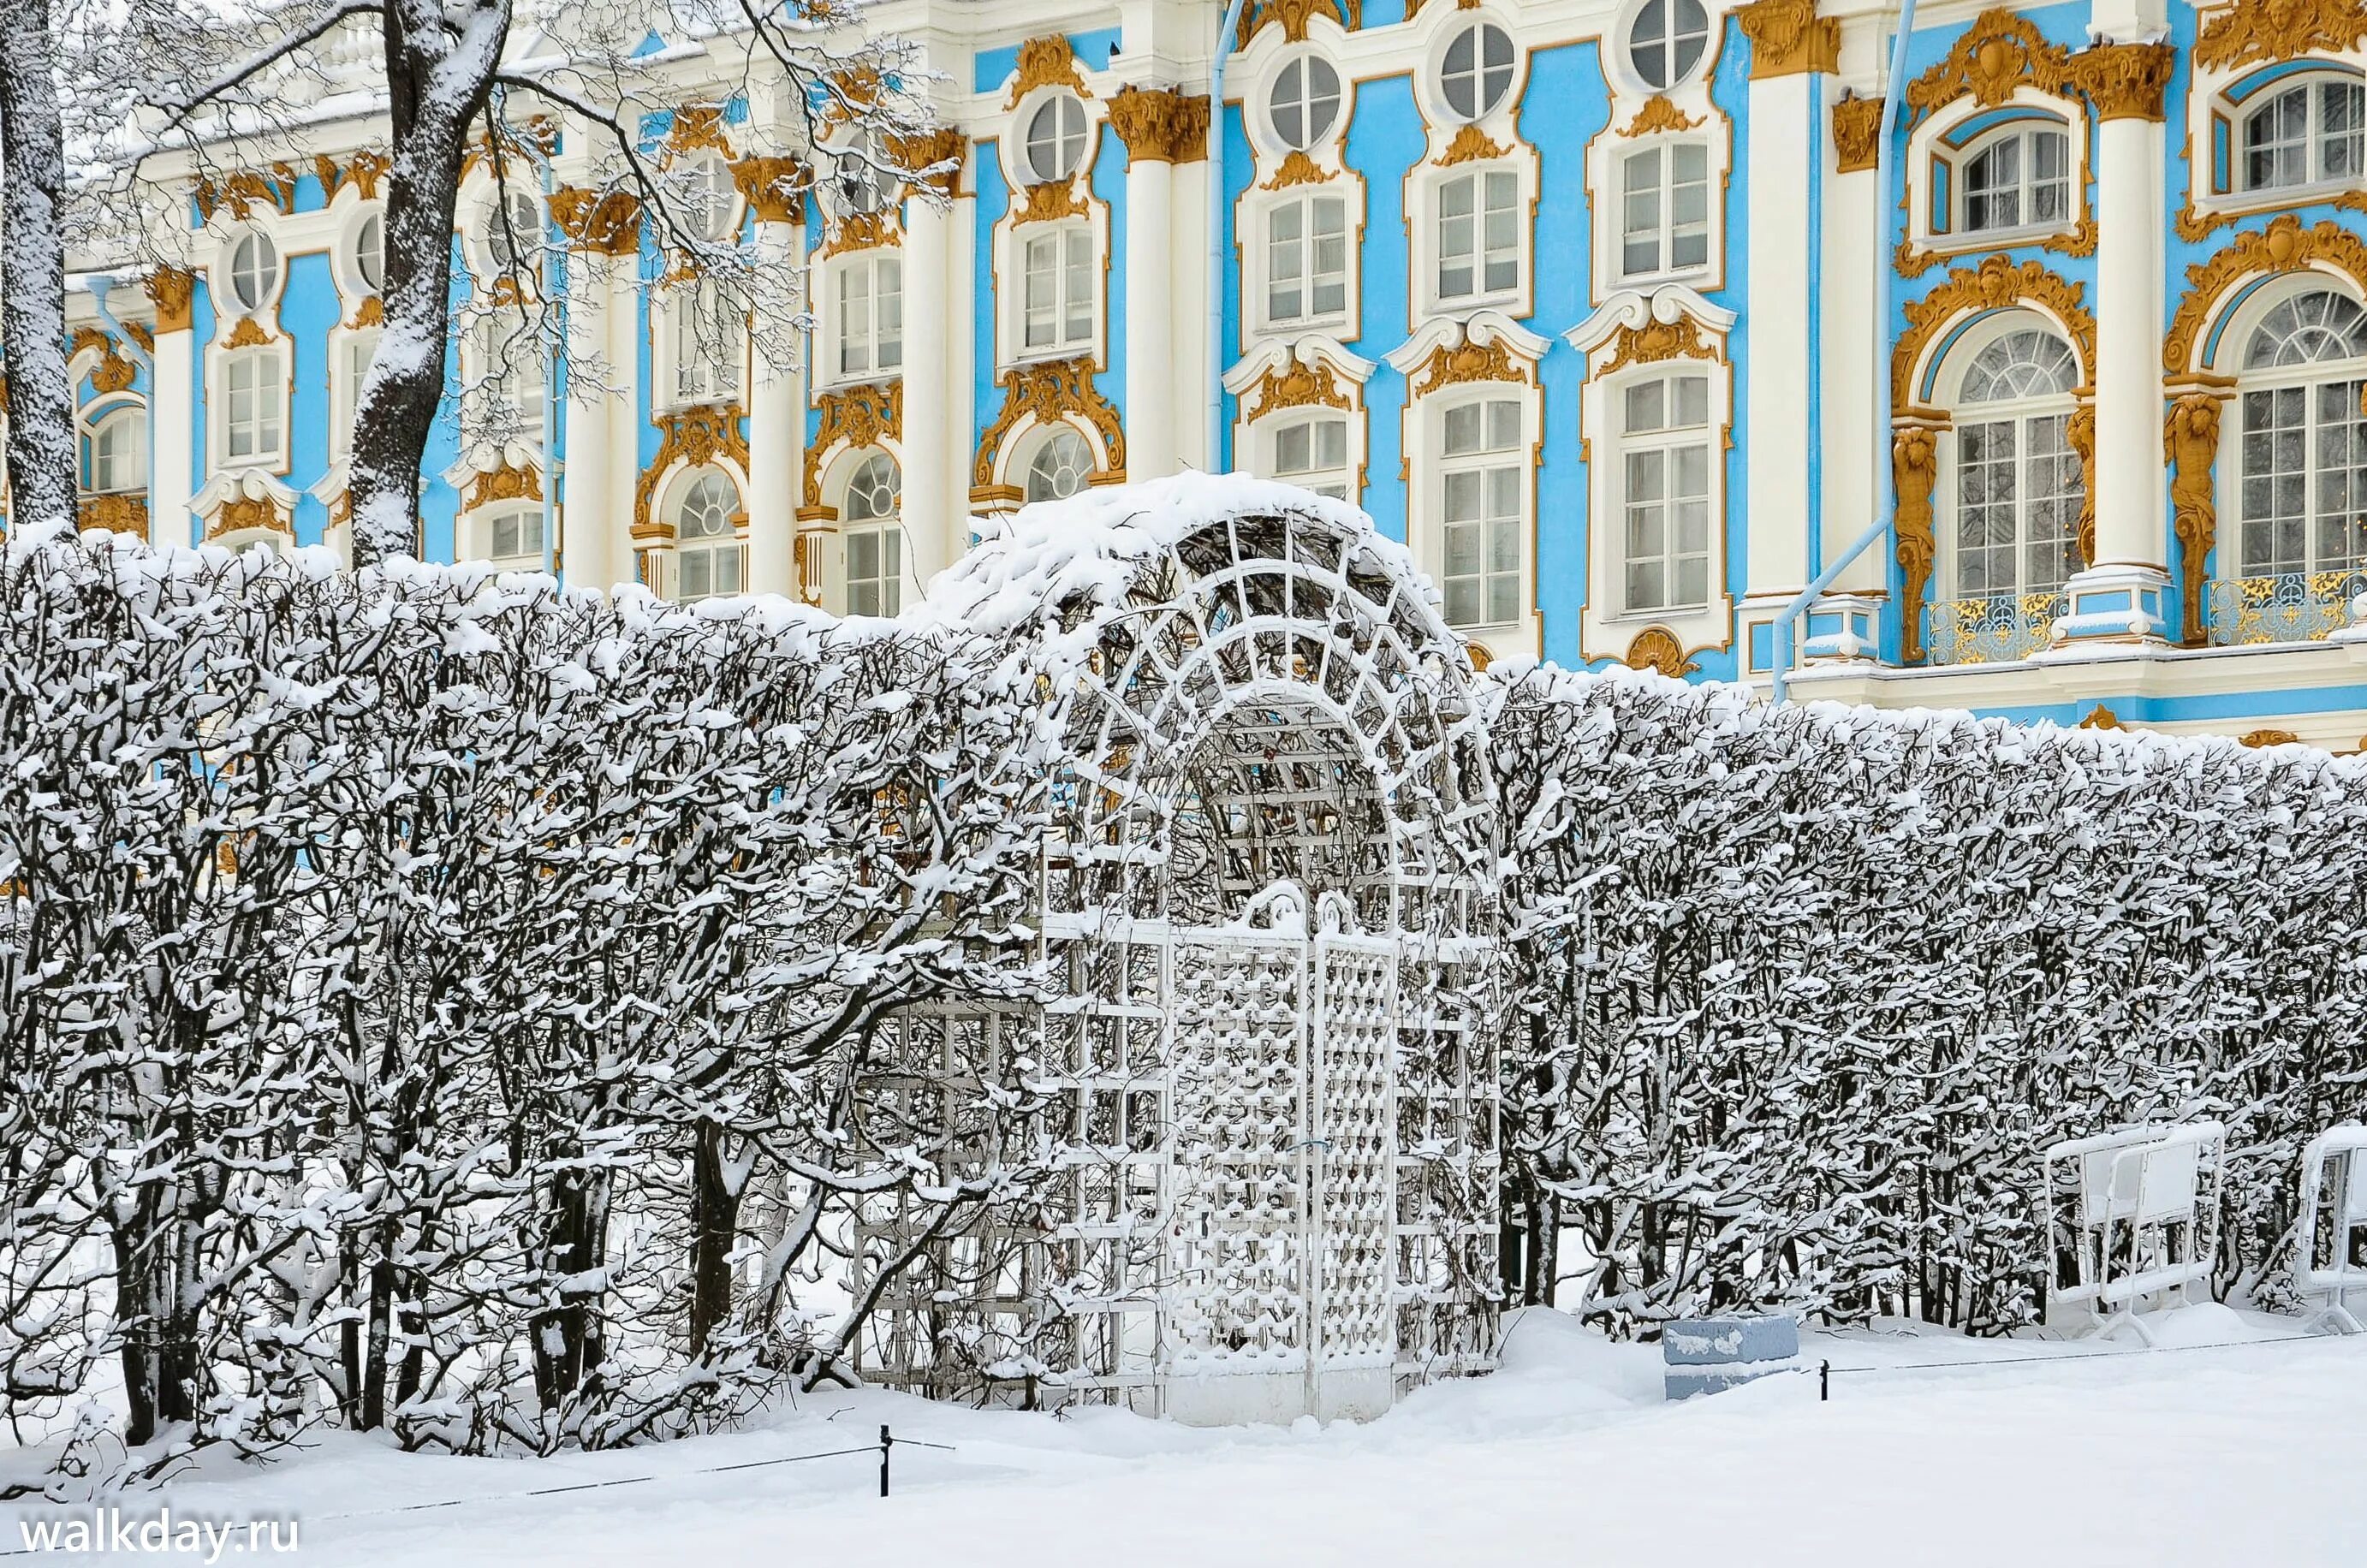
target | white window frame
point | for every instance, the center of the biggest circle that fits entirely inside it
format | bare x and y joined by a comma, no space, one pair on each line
229,301
1632,18
1425,217
1426,501
1037,444
94,426
484,529
832,368
268,417
1664,151
731,546
2315,85
1947,575
354,280
533,240
1440,105
723,378
490,334
1272,430
1306,202
350,353
1304,59
2237,335
2026,133
1931,148
1669,439
884,531
1074,286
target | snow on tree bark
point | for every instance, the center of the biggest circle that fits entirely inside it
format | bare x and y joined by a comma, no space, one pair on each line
40,454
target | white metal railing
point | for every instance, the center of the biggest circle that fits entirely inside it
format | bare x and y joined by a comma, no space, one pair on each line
2334,1197
1992,630
2143,1221
2294,606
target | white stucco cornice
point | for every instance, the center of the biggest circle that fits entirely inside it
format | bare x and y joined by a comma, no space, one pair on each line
1483,328
1309,348
1639,308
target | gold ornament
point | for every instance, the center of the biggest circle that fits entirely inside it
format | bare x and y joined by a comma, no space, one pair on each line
113,373
1657,648
1052,390
1295,14
505,483
1995,284
1160,125
1464,362
171,290
1046,61
695,437
1655,341
2000,52
1914,470
1659,113
1469,145
2283,247
1857,133
856,417
607,224
2271,31
1788,38
941,150
2125,81
1296,385
1298,169
2190,443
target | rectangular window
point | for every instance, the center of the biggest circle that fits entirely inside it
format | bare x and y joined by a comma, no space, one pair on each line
353,369
1665,479
709,336
1307,260
506,389
1664,209
1478,235
1480,513
871,316
252,419
875,571
517,534
1056,290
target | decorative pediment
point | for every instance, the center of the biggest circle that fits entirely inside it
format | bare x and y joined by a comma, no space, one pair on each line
1671,321
1470,145
1312,372
693,437
1658,114
1657,649
1052,390
245,500
122,513
856,417
2265,31
1295,169
114,372
1996,283
1999,54
1048,61
1051,200
1491,347
2283,247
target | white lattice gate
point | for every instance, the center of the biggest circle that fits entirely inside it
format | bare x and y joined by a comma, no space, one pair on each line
1282,1054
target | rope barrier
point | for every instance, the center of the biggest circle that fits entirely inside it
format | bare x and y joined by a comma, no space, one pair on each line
1826,1372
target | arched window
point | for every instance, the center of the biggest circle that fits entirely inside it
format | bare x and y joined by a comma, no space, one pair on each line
1667,41
2309,133
1311,451
1476,71
1304,102
1482,474
2302,464
856,186
1055,145
707,552
2020,484
1664,209
1061,467
503,401
875,542
2020,178
708,199
513,537
254,270
115,453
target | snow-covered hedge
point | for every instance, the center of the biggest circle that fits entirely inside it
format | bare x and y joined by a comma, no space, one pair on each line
1803,992
437,1004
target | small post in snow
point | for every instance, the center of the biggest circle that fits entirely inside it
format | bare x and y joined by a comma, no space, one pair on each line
885,1443
1824,1382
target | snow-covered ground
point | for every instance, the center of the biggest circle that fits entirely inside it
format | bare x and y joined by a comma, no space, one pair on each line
2254,1453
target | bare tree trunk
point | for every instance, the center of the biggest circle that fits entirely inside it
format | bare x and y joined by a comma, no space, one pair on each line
439,73
715,1194
32,266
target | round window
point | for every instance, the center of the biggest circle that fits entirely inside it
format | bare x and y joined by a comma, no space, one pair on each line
1667,39
1061,468
254,270
1056,139
872,493
369,251
1305,103
1478,71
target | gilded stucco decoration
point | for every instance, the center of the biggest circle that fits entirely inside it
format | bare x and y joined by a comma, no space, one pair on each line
508,143
362,170
693,437
1912,260
240,193
114,372
171,290
1159,125
1052,390
1788,38
370,312
605,224
861,232
1294,16
1657,648
2283,247
2125,81
1453,364
1470,145
2190,443
248,333
1052,201
1914,470
696,128
2000,52
1297,384
934,158
1857,133
1996,283
1659,113
120,514
504,483
1297,169
774,187
2102,717
856,417
240,513
1655,341
2079,430
1048,61
2270,31
2259,738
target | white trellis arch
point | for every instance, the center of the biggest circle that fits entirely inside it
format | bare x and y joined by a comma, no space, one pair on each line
1268,880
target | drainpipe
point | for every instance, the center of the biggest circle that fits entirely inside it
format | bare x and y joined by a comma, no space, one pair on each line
1788,624
1224,32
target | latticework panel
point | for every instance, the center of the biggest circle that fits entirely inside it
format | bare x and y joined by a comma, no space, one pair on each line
1237,1297
1356,1039
1447,1287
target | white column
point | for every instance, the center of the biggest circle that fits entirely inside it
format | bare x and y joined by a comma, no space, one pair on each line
2120,597
623,414
1783,140
587,521
935,493
1853,250
775,432
1150,434
172,412
1190,371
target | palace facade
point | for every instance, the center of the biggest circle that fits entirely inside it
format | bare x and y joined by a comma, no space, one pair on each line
1578,298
